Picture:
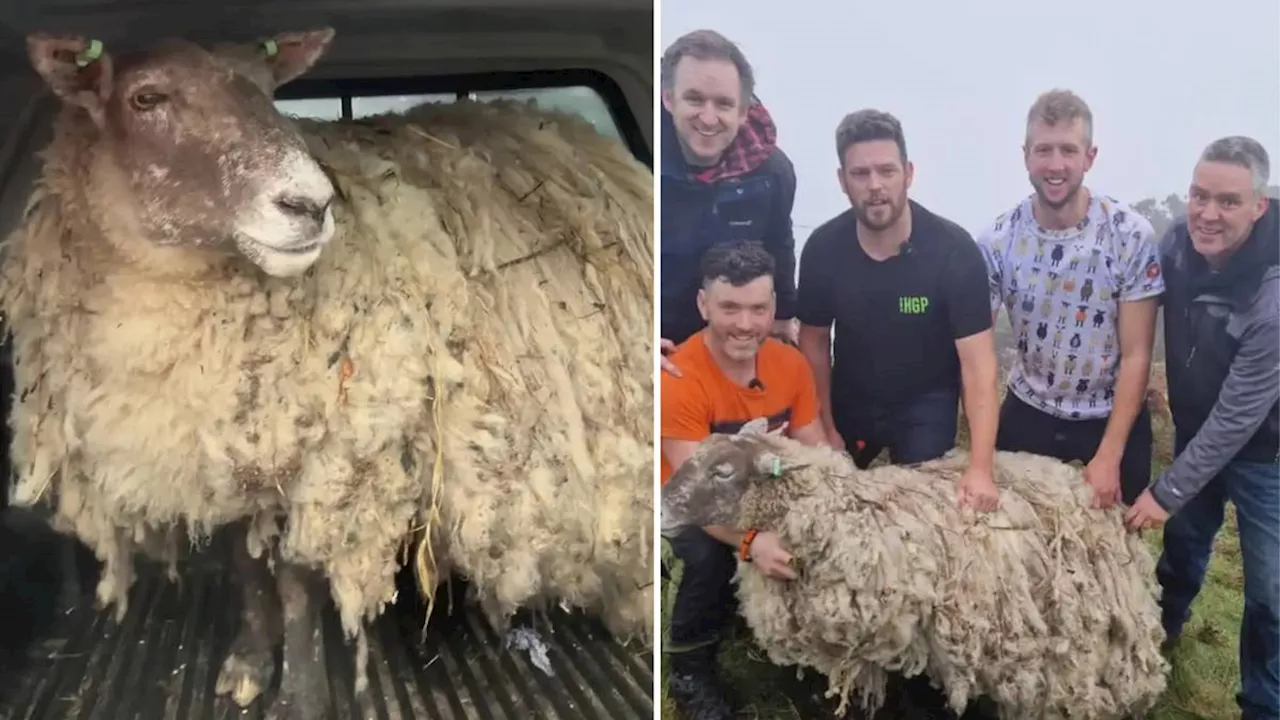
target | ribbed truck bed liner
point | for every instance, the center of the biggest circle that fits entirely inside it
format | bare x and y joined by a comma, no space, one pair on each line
162,661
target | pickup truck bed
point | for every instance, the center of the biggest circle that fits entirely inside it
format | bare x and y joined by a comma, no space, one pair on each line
163,659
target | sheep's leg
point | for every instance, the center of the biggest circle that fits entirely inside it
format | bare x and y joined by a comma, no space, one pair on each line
304,687
250,667
72,590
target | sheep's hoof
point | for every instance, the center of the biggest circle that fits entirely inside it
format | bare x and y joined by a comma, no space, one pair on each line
298,706
245,674
304,694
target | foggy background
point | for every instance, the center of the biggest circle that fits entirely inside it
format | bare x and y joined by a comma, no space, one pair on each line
1163,80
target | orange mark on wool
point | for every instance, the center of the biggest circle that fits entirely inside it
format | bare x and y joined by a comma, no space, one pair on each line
348,369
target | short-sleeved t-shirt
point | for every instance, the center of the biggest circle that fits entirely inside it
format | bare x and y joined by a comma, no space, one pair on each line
704,400
896,321
1063,290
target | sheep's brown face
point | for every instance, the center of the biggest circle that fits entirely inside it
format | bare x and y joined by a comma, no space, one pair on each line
199,154
707,488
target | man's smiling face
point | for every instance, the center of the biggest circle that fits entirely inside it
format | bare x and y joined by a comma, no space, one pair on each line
707,105
1057,158
1222,207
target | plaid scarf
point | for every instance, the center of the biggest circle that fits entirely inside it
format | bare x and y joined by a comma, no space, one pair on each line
756,139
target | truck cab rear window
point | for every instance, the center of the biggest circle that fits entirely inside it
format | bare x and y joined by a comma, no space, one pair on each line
578,99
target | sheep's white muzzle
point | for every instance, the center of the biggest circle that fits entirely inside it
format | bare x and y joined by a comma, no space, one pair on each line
291,220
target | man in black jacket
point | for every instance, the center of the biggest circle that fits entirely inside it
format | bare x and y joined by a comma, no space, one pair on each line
1222,346
723,178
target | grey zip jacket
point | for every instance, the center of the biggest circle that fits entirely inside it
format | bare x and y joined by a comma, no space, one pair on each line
1222,350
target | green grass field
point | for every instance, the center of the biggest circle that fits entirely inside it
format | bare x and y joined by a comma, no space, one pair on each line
1205,668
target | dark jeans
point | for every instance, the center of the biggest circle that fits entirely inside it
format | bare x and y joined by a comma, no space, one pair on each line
1026,428
705,599
1254,488
914,431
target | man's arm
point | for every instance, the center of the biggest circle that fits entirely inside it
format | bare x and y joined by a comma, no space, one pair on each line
815,433
780,237
686,417
678,451
978,376
815,345
1136,329
970,307
813,310
806,419
1251,389
989,243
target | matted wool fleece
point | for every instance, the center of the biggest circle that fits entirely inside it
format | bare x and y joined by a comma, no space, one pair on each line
486,301
1047,606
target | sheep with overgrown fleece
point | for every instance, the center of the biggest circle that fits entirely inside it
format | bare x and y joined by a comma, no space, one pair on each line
418,339
1045,605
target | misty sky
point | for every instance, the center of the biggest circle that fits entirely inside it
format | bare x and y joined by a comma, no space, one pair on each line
1163,79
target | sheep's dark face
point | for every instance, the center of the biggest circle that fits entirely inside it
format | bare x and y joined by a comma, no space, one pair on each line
198,154
708,487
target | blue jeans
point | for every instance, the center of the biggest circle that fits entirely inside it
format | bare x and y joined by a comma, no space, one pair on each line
1254,488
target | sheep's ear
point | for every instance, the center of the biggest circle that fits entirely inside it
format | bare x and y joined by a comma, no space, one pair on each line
770,465
291,54
77,69
759,426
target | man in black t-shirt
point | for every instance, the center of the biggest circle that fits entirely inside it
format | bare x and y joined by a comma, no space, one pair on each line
907,293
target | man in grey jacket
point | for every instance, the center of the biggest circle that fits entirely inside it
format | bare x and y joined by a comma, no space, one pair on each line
1222,345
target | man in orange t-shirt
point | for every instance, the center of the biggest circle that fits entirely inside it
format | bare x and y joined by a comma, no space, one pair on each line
732,373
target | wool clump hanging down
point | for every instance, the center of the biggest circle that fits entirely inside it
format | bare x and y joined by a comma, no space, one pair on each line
463,381
1046,606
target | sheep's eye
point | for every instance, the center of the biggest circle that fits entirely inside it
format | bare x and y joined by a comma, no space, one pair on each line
147,100
723,471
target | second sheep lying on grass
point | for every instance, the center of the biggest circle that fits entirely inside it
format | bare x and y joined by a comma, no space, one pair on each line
1046,605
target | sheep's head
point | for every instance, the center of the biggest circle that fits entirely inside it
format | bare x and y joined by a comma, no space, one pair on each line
196,154
708,487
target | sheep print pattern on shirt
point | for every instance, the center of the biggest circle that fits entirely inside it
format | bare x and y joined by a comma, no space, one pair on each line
1062,290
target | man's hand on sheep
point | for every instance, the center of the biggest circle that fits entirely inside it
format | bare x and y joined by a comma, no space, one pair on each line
1145,513
768,556
976,489
1103,475
833,436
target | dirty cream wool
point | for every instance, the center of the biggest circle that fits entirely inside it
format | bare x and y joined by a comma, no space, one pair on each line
1047,606
486,301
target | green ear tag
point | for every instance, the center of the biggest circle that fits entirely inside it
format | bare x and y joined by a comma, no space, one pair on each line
89,54
270,46
777,467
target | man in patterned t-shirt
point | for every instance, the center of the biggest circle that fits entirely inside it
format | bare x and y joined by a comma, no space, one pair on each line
1079,274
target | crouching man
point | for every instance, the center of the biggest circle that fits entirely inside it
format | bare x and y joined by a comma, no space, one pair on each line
1222,344
732,373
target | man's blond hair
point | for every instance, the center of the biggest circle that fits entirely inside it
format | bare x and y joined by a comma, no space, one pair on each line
1061,107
